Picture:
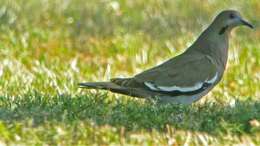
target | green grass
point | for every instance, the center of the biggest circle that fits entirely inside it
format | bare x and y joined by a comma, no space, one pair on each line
48,46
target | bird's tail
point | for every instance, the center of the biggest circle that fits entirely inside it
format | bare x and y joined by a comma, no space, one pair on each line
99,85
115,88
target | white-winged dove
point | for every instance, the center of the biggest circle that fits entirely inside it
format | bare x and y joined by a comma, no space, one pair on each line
185,78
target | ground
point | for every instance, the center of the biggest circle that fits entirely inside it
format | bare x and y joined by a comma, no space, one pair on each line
48,46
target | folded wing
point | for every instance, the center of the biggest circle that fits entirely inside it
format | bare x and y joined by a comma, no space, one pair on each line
175,77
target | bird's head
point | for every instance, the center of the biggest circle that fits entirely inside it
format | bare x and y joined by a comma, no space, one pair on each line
229,19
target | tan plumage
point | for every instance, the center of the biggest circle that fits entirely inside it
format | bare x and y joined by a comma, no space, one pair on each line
187,77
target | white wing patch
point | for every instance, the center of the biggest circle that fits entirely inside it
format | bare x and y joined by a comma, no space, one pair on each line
182,89
173,88
213,79
151,86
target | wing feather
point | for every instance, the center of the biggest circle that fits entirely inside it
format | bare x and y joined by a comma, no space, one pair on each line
184,76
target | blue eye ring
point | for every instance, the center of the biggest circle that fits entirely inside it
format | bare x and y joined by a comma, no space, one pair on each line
232,16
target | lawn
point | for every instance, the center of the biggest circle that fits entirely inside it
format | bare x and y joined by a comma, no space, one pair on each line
48,46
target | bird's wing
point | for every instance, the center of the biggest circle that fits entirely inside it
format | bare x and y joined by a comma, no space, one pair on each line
188,75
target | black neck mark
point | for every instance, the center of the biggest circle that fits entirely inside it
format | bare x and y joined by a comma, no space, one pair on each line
223,30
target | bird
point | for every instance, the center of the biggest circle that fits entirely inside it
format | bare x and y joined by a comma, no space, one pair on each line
186,78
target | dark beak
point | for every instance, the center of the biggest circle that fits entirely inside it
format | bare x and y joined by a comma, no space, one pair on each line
247,24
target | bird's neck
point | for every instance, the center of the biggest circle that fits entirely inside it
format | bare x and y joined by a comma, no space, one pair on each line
213,44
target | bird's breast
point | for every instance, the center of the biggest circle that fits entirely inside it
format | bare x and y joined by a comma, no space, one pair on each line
221,57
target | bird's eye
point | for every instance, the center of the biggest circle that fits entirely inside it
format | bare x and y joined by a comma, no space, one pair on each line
232,16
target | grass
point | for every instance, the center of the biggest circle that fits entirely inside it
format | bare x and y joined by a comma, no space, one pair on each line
48,46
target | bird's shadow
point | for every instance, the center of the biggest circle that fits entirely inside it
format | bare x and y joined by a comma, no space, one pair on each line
133,115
